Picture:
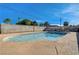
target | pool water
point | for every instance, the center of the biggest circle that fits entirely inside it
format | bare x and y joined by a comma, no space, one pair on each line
35,36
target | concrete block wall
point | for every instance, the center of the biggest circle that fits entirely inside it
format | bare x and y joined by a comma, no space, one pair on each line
9,28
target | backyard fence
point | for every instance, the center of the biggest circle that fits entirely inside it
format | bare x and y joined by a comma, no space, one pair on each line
9,28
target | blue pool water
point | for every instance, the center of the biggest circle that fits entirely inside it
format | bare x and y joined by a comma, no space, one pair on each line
36,36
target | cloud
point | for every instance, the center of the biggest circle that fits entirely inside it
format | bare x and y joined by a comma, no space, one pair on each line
72,13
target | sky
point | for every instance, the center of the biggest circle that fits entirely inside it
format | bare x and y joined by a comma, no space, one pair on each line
40,12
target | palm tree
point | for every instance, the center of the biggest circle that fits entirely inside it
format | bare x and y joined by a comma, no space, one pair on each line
7,21
34,23
66,23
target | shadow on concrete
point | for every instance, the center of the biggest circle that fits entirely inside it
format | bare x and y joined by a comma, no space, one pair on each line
78,39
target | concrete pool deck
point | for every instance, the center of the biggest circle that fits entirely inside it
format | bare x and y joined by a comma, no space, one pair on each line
66,45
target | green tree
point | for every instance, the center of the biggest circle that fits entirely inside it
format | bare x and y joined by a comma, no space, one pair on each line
34,23
41,24
7,21
24,22
66,23
46,23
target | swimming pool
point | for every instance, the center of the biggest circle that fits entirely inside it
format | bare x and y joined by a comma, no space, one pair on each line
51,36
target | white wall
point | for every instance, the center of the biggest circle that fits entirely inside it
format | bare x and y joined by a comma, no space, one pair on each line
9,28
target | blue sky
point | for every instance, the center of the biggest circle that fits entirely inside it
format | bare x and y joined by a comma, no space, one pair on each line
40,12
